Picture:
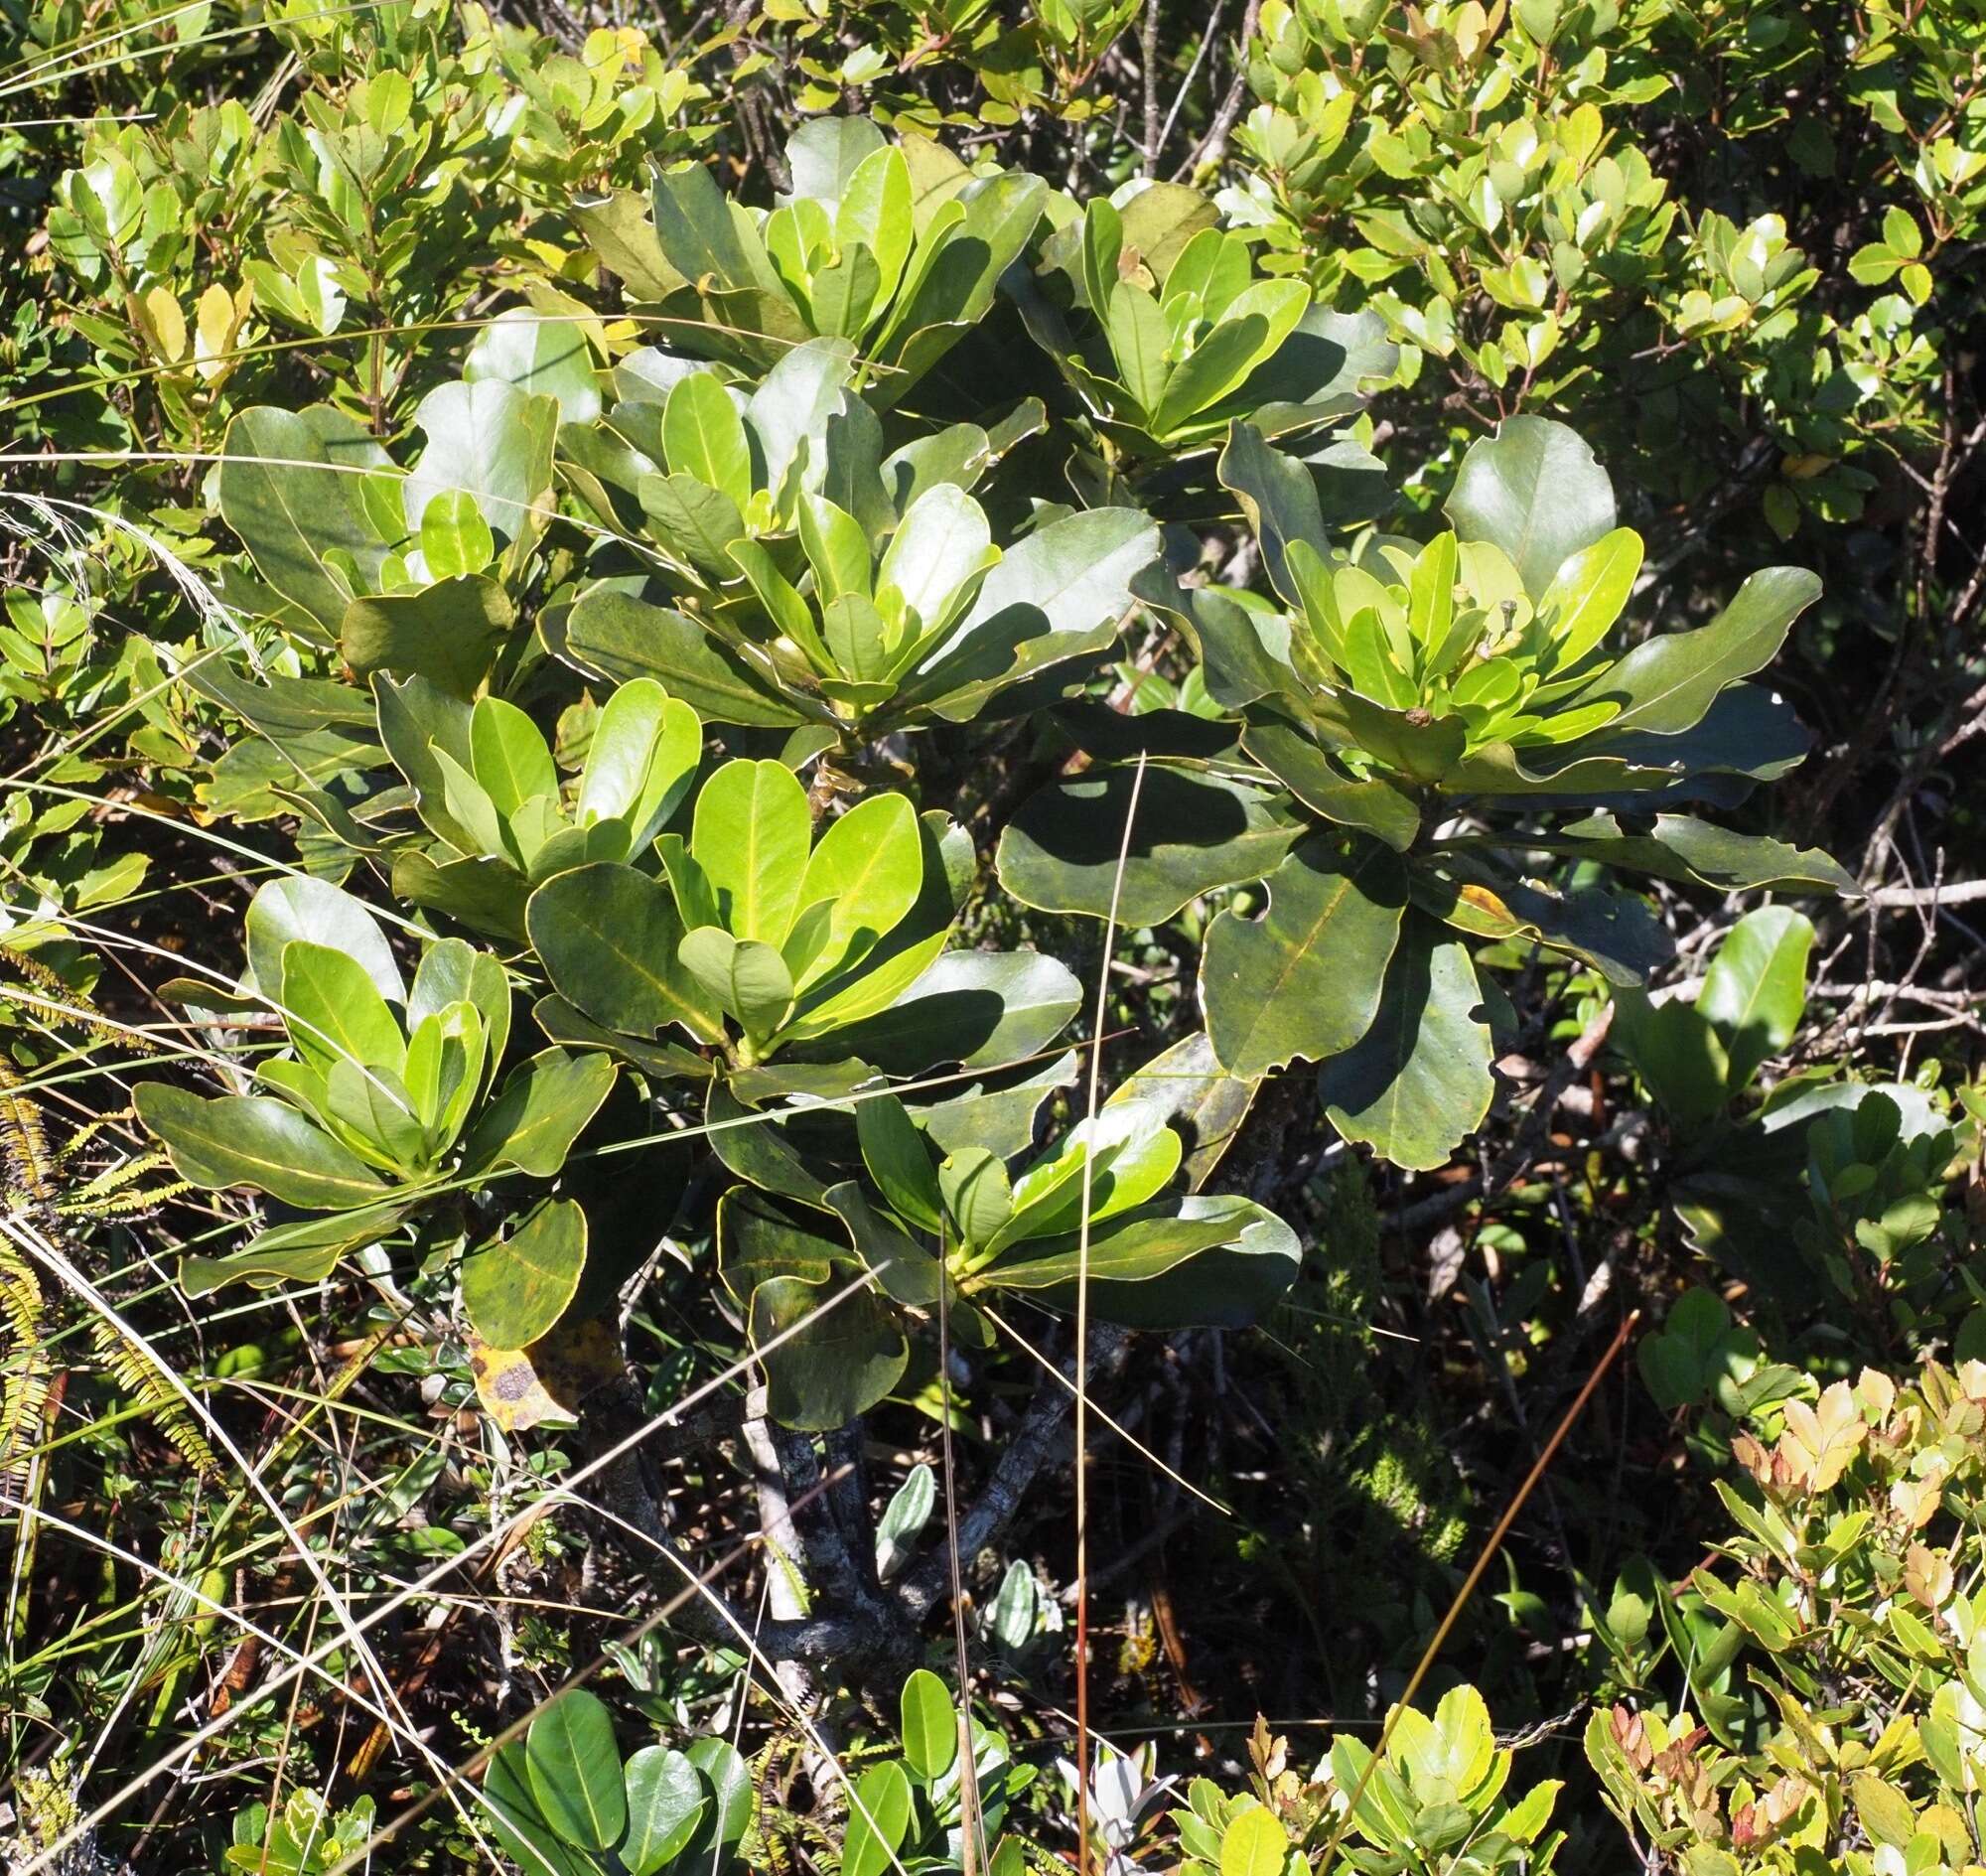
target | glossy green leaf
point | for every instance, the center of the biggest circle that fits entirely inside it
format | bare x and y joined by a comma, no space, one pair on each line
1535,490
1279,500
612,631
1305,980
1668,682
1418,1081
703,436
1163,1266
332,1011
751,834
977,1198
1681,847
452,971
942,542
1754,991
1254,1845
695,522
1228,1284
1589,592
1615,932
1374,807
511,759
869,870
641,760
541,1110
1058,593
981,1009
574,1767
303,1252
879,1816
729,1779
665,1804
698,234
253,1141
899,1159
793,408
1200,1099
494,442
930,1726
511,1813
448,633
298,907
515,1287
833,1364
1192,834
289,486
1676,1052
750,979
607,937
539,350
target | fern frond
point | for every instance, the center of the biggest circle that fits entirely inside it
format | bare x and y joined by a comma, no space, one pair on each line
24,1141
83,1199
24,1412
138,1377
24,1386
79,1010
124,1205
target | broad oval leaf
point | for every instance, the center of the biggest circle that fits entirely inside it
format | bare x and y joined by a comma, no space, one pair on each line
1418,1081
315,909
825,1365
514,1288
869,868
1754,991
607,937
289,486
1254,1845
879,1815
1305,980
574,1766
931,1725
1191,834
665,1804
1535,490
251,1140
751,834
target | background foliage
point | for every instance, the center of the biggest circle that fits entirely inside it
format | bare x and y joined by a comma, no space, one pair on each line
717,722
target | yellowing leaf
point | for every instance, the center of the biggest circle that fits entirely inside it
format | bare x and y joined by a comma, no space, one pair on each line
1255,1845
1819,1441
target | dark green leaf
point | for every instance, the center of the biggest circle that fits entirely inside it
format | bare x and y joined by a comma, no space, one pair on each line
514,1288
833,1363
879,1814
1754,991
612,631
665,1803
1668,684
931,1726
289,487
608,938
574,1766
1375,807
1418,1081
253,1141
448,633
1305,980
1193,834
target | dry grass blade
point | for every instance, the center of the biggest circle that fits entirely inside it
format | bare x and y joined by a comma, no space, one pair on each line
1082,1766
